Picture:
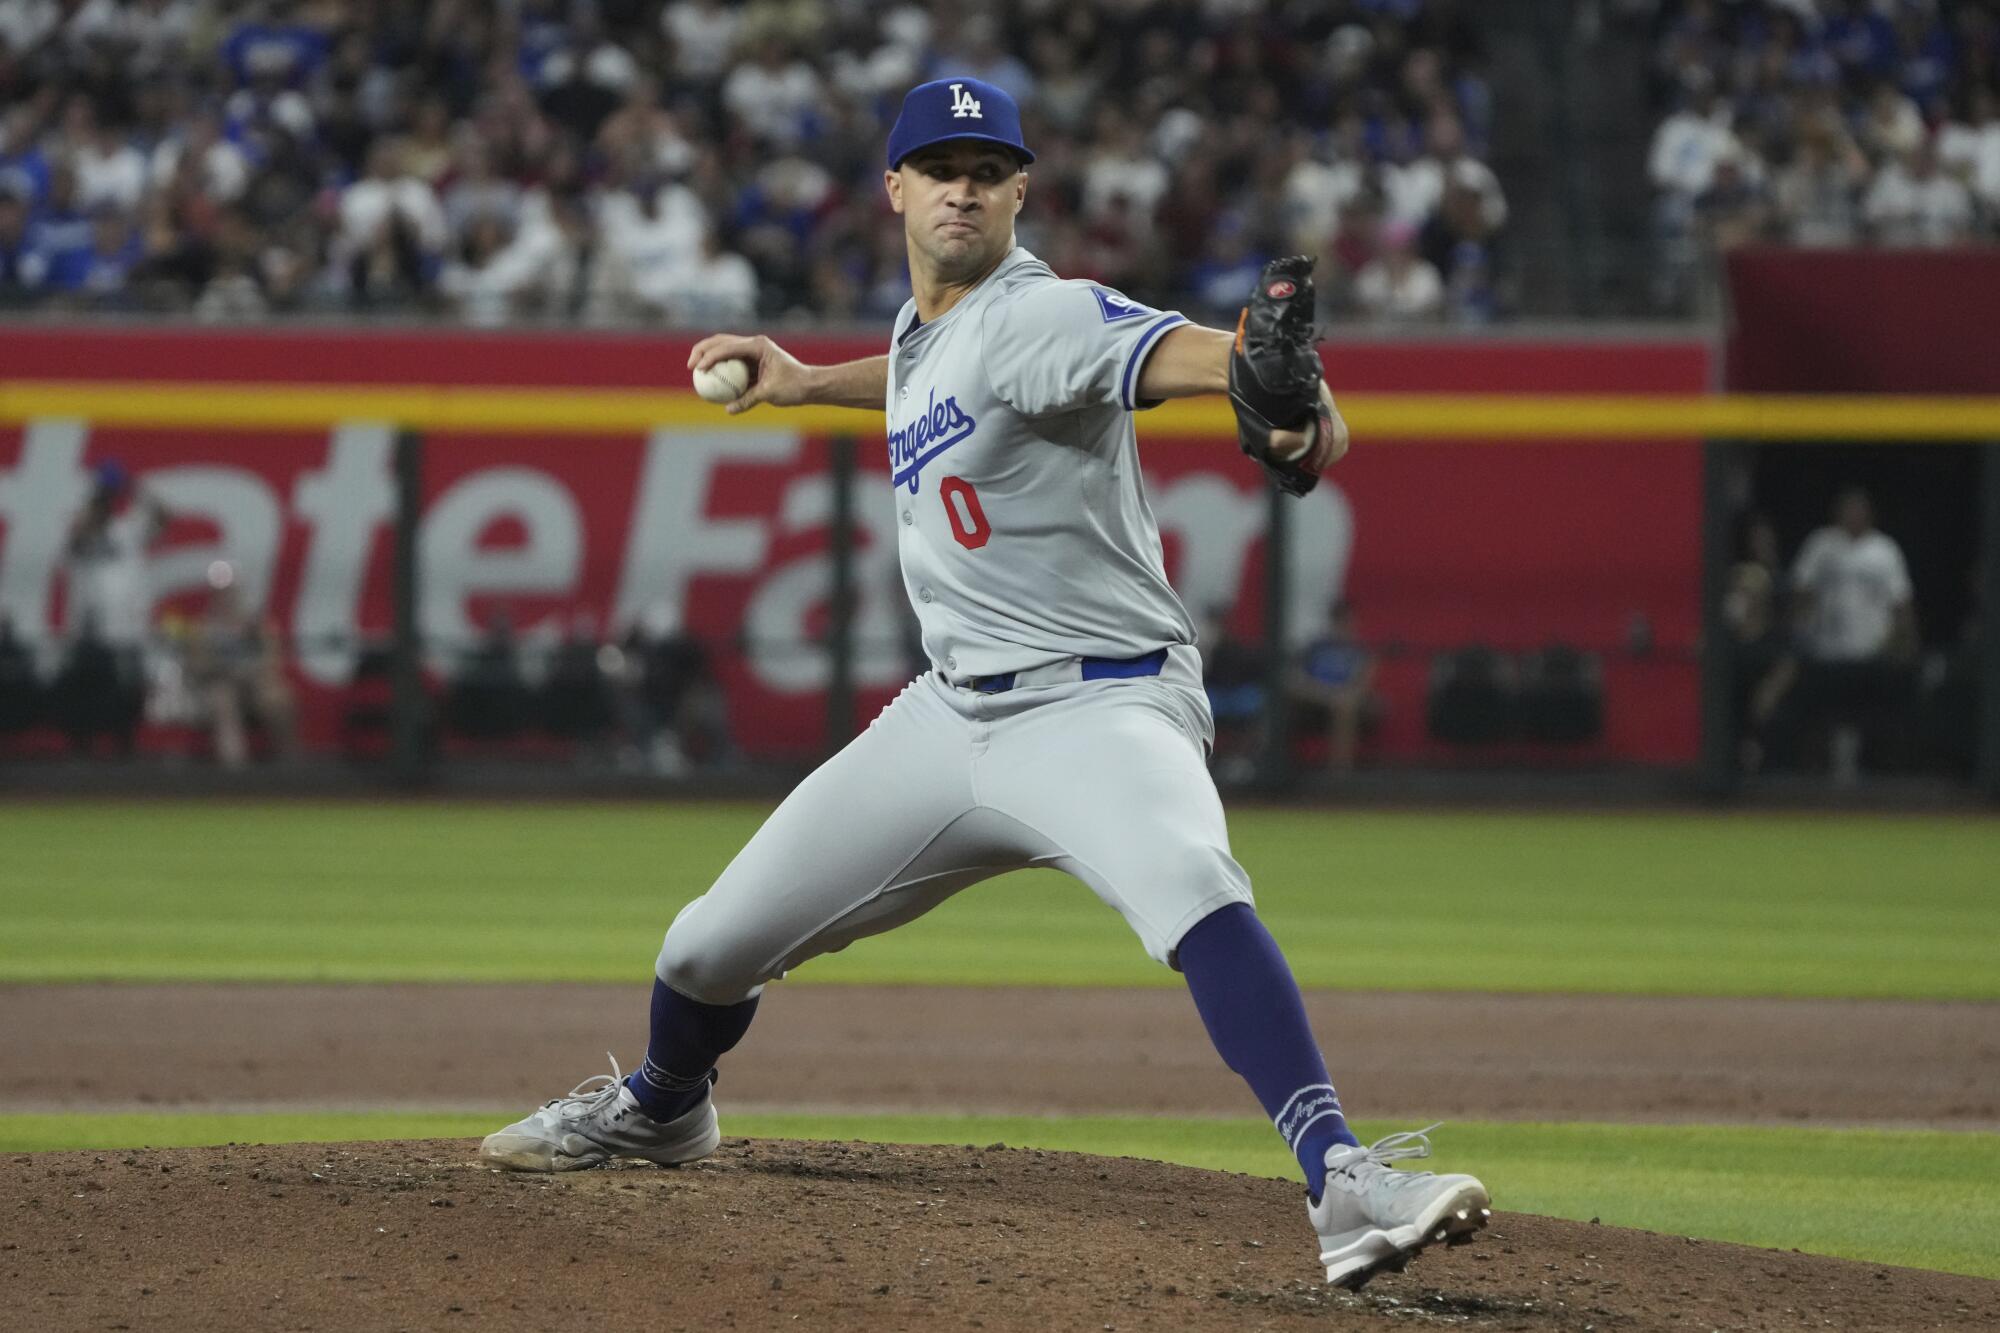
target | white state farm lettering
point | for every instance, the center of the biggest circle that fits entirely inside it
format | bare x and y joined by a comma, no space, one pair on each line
1321,545
1218,522
671,537
347,502
671,540
776,616
247,521
453,566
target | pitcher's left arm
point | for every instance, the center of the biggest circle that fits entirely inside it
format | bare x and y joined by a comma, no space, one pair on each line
1286,417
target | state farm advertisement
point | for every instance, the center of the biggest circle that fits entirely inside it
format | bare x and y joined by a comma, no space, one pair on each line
1434,543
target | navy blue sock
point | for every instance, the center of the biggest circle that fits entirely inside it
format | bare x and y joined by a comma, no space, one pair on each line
688,1038
1251,1006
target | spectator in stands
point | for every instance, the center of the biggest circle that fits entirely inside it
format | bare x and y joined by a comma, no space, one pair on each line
1459,207
1122,181
24,168
340,153
109,171
1891,127
1218,282
575,698
16,270
100,687
1689,143
645,135
476,189
1879,113
1066,86
670,705
585,77
775,216
1857,621
1862,38
1687,148
108,541
271,44
220,170
1416,191
59,238
1764,666
235,667
392,232
1333,689
1914,203
1457,242
106,277
488,697
1969,148
1232,673
1399,284
20,683
703,35
718,288
1733,211
772,94
1320,184
426,151
974,49
98,691
505,273
649,239
1816,196
478,283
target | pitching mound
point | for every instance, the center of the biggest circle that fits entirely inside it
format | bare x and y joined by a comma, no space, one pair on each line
772,1234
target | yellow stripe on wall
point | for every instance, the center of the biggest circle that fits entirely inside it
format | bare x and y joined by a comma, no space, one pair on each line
1372,416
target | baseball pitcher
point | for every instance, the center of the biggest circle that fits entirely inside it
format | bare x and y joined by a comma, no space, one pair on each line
1063,721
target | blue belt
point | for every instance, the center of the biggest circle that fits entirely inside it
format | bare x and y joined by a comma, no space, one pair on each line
1094,668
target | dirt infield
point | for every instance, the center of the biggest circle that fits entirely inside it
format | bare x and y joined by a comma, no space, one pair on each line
778,1235
1033,1051
772,1235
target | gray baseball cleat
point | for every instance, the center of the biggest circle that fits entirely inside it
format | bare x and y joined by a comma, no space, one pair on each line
1372,1218
600,1120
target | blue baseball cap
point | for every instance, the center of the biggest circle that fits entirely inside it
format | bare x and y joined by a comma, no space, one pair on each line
959,108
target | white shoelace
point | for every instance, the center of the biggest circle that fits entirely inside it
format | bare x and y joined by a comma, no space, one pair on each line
1396,1147
1411,1143
596,1093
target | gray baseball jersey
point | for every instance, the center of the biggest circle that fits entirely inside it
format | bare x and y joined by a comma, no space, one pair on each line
1028,547
1026,537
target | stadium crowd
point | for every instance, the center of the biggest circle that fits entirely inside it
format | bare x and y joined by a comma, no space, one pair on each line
697,162
1821,123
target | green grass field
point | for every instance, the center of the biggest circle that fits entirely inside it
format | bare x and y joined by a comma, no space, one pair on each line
1922,1199
1668,904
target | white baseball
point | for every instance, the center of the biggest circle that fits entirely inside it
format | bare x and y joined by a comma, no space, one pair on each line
723,382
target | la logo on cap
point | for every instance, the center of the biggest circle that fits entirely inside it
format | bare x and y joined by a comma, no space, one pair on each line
963,103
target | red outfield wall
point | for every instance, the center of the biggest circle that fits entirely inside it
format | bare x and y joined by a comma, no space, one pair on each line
1436,542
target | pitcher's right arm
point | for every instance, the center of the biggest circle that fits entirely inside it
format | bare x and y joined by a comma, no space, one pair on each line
782,380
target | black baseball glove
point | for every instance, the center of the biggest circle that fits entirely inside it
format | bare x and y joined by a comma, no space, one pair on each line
1274,375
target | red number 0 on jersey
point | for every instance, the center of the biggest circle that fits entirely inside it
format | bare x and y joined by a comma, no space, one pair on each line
961,509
